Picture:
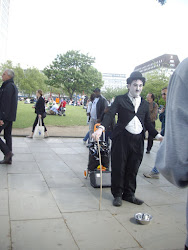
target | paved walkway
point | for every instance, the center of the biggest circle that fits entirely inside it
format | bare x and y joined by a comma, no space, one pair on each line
55,131
46,204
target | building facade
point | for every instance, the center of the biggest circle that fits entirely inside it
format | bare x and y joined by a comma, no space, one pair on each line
169,62
4,18
113,81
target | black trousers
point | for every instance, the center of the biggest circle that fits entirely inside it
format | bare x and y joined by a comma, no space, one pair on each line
150,140
126,157
7,146
35,123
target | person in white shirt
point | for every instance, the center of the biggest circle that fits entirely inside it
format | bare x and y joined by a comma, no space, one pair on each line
128,139
98,106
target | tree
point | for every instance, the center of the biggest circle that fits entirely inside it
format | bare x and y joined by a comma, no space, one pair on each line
27,81
73,72
34,80
109,93
155,81
162,2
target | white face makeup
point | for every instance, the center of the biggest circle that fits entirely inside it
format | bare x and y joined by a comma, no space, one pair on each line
135,88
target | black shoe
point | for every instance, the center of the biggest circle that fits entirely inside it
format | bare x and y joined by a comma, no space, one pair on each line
117,202
7,159
148,152
133,200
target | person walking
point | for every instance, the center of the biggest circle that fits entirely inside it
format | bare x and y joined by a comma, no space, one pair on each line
88,112
40,111
98,106
8,109
153,111
128,139
171,159
154,173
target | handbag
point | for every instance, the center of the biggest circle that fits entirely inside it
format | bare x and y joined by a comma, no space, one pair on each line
44,115
39,130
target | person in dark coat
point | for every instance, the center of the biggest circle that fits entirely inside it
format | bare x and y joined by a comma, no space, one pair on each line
8,109
128,139
40,111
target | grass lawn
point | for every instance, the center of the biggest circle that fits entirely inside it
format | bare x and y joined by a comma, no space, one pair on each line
75,116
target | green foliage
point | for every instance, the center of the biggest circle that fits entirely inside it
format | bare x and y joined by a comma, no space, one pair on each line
109,93
162,2
155,82
34,80
73,72
28,81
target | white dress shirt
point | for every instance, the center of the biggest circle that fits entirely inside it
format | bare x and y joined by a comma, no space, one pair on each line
134,126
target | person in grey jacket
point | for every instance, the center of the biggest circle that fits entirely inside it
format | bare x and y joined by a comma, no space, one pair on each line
172,157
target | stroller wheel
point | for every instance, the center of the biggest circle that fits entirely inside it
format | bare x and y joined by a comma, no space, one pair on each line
86,173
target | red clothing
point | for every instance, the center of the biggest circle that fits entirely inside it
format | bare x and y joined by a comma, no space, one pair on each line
62,105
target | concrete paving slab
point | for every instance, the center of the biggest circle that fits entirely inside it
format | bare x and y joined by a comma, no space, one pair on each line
57,145
56,166
81,150
36,142
177,193
154,235
52,140
40,156
63,180
23,157
21,150
27,182
27,205
175,213
98,230
34,149
75,160
65,151
73,143
161,182
155,196
42,235
3,181
75,199
72,140
23,168
4,209
3,169
5,239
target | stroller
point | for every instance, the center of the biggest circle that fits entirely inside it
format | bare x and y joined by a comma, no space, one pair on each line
93,170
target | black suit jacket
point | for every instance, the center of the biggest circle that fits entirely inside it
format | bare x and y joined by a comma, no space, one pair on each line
100,107
125,110
40,106
8,101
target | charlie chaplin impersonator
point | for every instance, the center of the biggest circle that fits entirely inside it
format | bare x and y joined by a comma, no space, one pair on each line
128,139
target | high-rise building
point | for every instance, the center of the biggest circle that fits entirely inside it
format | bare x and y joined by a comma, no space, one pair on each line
169,62
4,18
113,81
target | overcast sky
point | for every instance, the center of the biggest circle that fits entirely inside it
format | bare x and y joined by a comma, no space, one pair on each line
120,34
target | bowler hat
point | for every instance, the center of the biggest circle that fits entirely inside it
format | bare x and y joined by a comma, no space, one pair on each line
97,90
136,75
